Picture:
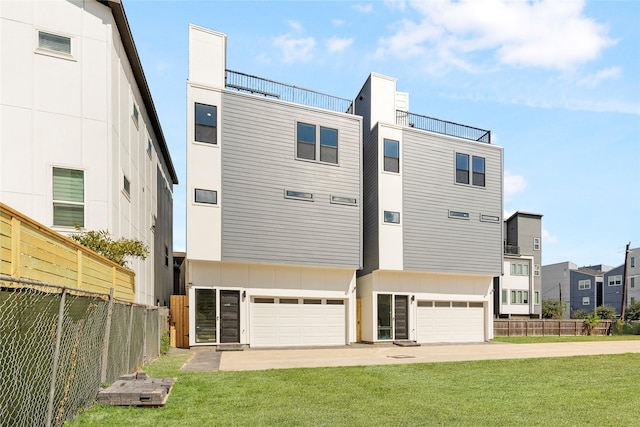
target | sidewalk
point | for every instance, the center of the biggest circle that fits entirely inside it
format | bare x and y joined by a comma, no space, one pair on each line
207,359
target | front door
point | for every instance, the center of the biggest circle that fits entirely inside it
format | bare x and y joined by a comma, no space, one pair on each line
229,316
401,318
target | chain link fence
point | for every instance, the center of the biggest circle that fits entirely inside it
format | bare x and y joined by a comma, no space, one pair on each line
58,345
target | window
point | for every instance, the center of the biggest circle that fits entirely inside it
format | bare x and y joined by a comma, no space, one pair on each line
478,171
153,222
462,168
288,301
263,300
392,217
209,197
335,302
166,256
149,149
489,218
536,270
344,200
68,197
206,123
126,186
135,115
632,282
391,155
504,296
312,301
513,297
306,141
519,269
633,261
328,145
525,297
291,194
586,300
457,214
54,42
536,295
615,280
536,243
584,284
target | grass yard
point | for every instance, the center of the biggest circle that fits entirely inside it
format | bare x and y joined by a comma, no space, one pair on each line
583,338
556,391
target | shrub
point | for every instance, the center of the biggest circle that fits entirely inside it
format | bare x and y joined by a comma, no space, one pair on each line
591,322
580,314
633,311
606,312
552,309
116,250
165,342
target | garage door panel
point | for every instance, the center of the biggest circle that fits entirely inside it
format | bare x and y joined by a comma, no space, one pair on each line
449,324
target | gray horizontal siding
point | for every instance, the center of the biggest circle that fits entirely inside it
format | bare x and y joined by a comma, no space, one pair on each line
432,240
258,164
370,239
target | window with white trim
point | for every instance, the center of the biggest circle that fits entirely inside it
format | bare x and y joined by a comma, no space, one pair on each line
135,114
68,197
632,282
126,186
536,269
519,297
149,148
584,284
519,269
633,261
477,165
536,295
340,200
298,195
462,168
308,134
536,244
392,217
54,42
615,280
474,164
458,215
586,300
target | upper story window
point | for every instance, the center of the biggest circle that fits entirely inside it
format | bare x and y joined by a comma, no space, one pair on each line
206,123
391,155
54,42
536,243
519,269
149,149
615,280
392,217
477,169
299,195
68,197
633,261
307,147
126,186
135,115
584,284
209,197
536,269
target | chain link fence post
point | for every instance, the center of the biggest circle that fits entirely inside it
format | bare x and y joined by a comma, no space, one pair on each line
107,336
144,338
56,355
128,347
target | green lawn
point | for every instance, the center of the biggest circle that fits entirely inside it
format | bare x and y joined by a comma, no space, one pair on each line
556,391
537,340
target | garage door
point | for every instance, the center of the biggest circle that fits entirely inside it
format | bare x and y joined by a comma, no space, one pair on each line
447,321
277,322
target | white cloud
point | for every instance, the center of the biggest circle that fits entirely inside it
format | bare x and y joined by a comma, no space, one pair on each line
295,49
513,184
363,8
545,33
547,237
593,80
296,26
338,22
336,44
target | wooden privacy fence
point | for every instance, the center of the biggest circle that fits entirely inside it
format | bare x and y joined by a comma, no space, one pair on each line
546,327
29,250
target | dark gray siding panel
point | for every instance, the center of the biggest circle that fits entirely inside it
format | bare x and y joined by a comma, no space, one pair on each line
370,239
163,237
258,164
432,240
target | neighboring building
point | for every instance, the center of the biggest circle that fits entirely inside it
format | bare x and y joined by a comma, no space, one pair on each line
432,214
277,221
579,288
633,276
517,293
273,207
81,143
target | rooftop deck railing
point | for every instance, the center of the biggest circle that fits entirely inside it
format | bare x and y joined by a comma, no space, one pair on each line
405,118
271,89
511,250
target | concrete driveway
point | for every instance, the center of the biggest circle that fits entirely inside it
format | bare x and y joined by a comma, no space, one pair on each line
207,359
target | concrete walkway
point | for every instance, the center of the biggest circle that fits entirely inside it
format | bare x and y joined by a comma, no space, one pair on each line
207,359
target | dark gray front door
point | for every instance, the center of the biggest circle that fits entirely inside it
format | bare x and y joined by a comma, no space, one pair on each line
229,316
401,327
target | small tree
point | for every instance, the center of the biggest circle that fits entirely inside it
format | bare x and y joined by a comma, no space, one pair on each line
116,250
633,311
591,322
580,314
606,312
552,309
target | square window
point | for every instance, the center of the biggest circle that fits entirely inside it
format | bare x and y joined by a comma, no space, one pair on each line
206,123
586,300
209,197
54,42
328,145
68,197
478,171
462,168
391,155
306,148
392,217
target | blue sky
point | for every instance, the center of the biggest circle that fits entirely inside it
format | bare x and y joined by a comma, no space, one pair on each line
557,83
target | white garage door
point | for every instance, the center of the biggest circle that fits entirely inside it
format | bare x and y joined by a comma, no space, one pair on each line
446,321
277,322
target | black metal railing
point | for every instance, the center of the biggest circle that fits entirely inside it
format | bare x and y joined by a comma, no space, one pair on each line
511,250
271,89
405,118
